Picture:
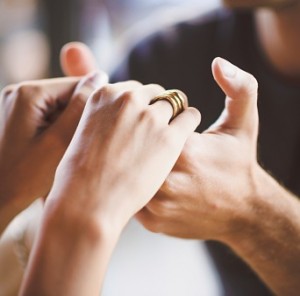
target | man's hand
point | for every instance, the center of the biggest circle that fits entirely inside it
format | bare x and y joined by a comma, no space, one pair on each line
38,120
218,191
211,185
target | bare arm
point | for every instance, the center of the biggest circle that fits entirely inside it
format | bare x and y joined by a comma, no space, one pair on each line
269,237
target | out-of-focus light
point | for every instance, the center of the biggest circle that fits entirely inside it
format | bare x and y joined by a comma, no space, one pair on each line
25,56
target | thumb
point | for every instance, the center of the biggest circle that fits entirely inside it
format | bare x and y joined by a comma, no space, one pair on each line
240,113
76,59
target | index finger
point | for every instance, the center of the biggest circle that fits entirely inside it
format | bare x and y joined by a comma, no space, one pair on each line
56,87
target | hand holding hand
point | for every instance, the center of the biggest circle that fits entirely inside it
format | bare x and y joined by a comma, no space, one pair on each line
121,153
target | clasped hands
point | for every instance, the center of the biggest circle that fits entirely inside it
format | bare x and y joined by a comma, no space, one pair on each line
105,155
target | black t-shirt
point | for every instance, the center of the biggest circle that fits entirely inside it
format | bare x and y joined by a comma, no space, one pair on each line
180,57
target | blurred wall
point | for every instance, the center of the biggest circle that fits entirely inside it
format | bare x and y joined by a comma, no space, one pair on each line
33,31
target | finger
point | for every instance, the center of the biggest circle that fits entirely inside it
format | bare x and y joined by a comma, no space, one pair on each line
34,102
135,94
6,91
186,122
89,84
112,92
143,94
66,124
146,94
240,87
172,102
55,88
148,220
164,108
77,59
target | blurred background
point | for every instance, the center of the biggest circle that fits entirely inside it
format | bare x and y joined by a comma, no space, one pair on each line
33,31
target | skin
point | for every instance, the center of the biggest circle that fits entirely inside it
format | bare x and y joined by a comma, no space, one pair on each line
38,119
280,232
121,153
217,190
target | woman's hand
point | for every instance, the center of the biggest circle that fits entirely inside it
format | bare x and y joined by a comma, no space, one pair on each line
37,122
120,155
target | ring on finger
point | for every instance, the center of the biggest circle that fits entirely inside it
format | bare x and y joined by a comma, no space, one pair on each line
177,99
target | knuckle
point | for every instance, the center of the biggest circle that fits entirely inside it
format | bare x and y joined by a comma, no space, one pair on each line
130,104
156,87
6,91
160,208
169,188
152,224
102,94
26,92
195,115
6,94
253,80
135,83
129,98
251,85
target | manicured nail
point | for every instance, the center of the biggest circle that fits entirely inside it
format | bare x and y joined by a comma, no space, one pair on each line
228,69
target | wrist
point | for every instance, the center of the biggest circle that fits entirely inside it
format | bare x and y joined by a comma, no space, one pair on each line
80,223
267,204
247,220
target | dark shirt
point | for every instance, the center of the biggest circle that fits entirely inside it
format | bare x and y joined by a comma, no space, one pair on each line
180,57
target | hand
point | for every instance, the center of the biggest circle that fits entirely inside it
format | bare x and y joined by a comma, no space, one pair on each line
38,120
120,155
211,186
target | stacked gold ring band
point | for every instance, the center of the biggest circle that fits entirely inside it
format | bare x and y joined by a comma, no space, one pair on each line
176,98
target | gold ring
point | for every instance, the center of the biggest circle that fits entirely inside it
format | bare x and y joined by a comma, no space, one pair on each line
176,98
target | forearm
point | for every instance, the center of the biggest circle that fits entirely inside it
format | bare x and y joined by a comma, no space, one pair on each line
269,237
70,256
13,200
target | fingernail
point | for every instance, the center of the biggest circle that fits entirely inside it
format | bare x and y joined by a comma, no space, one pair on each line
228,69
